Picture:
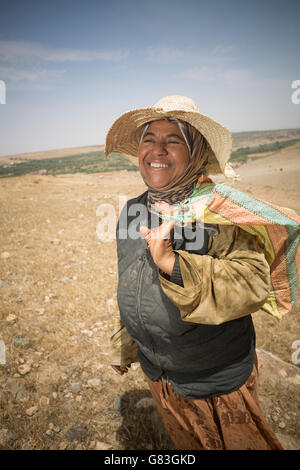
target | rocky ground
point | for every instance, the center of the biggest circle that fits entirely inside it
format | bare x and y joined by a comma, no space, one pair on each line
58,295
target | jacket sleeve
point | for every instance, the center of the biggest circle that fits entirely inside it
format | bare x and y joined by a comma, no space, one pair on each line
123,350
231,281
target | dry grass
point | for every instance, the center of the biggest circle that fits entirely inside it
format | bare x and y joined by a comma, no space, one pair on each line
59,280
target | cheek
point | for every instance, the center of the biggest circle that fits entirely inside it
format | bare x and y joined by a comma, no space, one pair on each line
183,162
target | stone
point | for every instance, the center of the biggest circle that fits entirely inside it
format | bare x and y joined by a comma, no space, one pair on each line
76,434
102,446
11,318
40,311
19,342
44,401
94,383
5,255
75,387
31,411
24,369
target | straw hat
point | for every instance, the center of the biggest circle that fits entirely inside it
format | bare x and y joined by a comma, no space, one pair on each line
124,134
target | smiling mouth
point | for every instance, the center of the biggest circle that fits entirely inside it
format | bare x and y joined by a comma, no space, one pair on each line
158,165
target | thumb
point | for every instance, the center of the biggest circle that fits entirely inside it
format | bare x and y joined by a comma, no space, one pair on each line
166,229
144,231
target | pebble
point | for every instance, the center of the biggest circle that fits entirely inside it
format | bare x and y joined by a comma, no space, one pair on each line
75,387
20,341
94,383
31,411
44,401
40,311
5,255
24,369
102,446
75,434
89,333
282,425
54,428
11,318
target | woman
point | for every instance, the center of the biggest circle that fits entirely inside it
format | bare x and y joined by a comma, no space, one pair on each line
187,290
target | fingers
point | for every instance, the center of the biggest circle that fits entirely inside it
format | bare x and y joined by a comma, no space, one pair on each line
163,231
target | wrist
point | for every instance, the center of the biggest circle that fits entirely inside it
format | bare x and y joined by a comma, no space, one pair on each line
166,263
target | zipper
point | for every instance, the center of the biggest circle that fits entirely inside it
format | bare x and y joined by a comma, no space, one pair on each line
138,290
143,258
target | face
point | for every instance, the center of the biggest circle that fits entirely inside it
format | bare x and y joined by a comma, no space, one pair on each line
163,154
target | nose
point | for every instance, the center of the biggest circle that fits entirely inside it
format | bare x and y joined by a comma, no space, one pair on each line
159,148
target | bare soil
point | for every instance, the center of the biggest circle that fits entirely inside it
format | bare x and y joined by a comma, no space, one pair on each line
58,295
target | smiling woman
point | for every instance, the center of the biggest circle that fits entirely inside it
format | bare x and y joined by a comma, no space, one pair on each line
185,308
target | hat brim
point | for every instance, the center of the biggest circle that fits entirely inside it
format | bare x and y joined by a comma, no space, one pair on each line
123,136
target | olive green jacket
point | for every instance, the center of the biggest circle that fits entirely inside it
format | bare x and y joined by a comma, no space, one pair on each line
232,280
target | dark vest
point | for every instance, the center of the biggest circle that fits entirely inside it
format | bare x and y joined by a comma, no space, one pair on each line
192,356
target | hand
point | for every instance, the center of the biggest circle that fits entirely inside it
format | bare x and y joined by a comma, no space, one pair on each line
120,369
160,245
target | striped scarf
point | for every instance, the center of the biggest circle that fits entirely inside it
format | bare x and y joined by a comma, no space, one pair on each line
277,228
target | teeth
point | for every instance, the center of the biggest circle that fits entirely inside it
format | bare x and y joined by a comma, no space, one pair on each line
159,165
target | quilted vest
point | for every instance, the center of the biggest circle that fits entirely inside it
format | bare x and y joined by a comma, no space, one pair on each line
182,351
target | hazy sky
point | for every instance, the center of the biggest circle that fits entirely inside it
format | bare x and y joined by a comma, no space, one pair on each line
71,67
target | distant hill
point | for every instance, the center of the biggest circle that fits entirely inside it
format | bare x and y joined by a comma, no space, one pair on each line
255,138
91,159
